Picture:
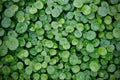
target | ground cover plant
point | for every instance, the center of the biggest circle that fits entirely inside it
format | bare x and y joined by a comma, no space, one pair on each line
59,39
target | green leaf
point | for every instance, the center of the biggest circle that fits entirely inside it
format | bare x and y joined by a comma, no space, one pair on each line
73,59
9,12
44,77
102,51
75,68
65,54
38,4
37,66
78,34
3,50
111,68
2,31
23,54
89,48
94,66
32,10
36,76
6,22
90,35
86,9
102,11
20,65
21,27
116,32
12,43
56,12
62,76
50,69
80,76
78,3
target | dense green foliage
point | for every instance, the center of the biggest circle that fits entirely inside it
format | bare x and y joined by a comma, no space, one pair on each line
59,39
